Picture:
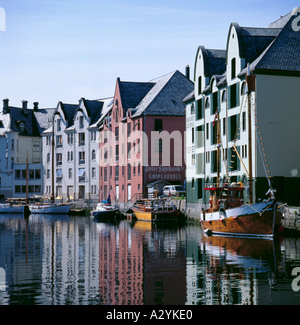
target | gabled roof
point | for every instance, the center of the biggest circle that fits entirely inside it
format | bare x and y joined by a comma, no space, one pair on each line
166,96
69,112
133,92
94,109
44,118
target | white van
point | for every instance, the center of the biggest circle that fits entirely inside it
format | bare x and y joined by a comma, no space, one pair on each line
176,190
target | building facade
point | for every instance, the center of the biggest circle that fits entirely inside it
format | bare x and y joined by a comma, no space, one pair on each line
21,169
242,113
75,151
142,137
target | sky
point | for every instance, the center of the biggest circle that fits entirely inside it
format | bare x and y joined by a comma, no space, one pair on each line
63,50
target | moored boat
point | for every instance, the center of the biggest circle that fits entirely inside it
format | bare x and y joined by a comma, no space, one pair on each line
10,208
51,208
157,209
104,211
229,216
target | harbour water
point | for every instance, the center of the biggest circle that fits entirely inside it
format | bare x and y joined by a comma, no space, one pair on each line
72,260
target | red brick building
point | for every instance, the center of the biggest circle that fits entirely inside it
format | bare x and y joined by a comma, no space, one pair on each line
142,136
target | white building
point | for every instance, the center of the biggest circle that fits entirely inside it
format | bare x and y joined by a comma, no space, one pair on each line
76,150
220,99
21,149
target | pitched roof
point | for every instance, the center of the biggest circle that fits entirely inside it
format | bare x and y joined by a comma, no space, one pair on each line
44,118
69,112
255,40
94,109
26,116
166,96
133,92
283,53
216,60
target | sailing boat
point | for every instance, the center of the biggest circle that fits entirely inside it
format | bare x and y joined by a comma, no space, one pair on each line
227,214
44,206
104,210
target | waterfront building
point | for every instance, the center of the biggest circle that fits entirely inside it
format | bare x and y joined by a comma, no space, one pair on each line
142,137
245,104
21,148
75,150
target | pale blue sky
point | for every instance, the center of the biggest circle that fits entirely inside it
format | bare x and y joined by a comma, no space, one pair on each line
62,50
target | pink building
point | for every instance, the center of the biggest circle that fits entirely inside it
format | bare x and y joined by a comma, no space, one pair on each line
142,136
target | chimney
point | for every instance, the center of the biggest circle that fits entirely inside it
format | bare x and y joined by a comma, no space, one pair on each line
5,105
187,71
24,104
35,106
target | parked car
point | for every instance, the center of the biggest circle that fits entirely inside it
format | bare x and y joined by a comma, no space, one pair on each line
177,190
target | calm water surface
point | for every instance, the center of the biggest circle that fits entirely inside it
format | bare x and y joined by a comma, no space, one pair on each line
62,260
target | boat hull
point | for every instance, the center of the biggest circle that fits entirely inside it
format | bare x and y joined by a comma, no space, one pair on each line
13,209
156,216
50,209
259,220
104,215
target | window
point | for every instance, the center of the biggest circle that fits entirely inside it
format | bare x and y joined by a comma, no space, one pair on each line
117,134
129,172
193,108
234,96
158,125
58,125
224,126
233,68
81,138
93,154
93,172
81,157
48,173
58,141
199,85
48,140
207,104
70,139
207,131
117,173
233,127
244,88
48,158
200,113
128,129
81,122
58,159
214,105
224,96
244,121
37,173
70,173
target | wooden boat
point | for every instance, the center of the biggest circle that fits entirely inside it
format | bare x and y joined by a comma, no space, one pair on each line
104,211
157,209
228,215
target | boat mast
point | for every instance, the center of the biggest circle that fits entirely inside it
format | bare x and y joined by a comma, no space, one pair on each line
52,169
27,177
249,88
218,147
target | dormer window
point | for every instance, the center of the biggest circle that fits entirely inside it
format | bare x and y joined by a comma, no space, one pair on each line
22,126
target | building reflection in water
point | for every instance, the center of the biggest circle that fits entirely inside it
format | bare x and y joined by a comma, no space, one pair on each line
74,260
